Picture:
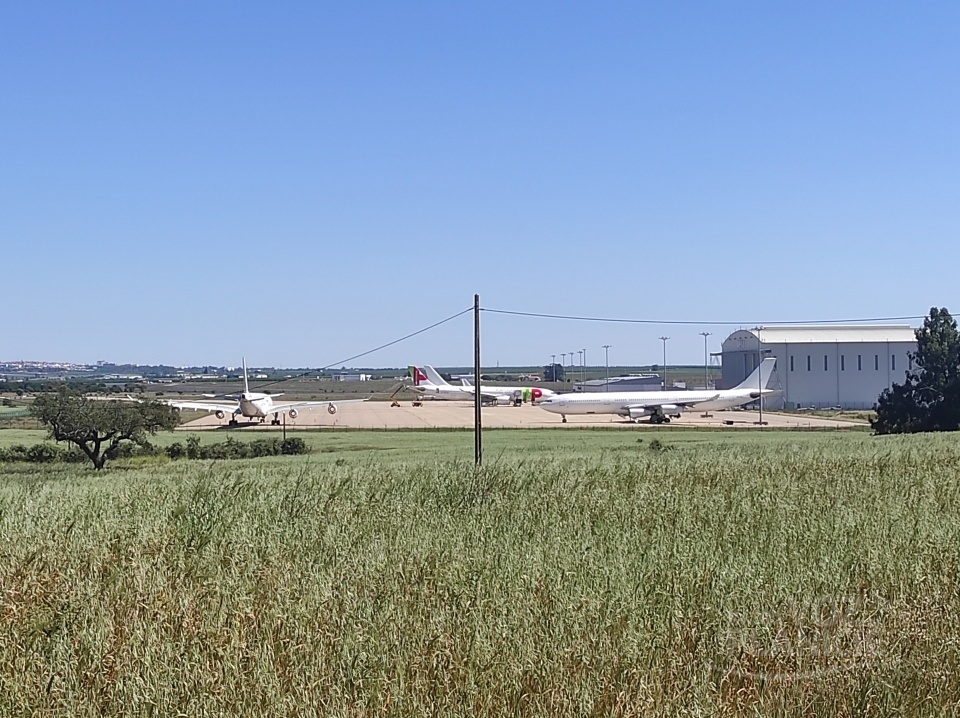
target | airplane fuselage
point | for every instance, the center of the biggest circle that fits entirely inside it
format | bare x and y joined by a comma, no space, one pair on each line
465,393
255,406
444,392
621,402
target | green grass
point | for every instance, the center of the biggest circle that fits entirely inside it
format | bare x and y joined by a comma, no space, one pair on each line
577,573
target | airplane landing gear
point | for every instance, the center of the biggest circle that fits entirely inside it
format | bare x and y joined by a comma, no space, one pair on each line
276,420
563,419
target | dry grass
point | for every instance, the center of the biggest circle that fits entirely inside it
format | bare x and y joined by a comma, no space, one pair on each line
772,578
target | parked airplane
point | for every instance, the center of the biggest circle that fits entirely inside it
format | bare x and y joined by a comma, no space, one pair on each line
255,405
428,382
661,405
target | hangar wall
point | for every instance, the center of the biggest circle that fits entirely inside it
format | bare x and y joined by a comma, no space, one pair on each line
822,366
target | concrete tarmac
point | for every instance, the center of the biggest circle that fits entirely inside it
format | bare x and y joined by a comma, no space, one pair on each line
455,414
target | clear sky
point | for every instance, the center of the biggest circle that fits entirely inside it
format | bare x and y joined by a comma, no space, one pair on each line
191,182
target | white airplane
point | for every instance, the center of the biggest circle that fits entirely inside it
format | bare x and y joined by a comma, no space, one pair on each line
661,405
428,382
255,405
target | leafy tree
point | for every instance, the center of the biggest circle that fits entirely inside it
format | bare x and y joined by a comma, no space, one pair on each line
929,399
99,427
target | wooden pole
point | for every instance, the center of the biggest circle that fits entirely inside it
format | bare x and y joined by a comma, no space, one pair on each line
477,430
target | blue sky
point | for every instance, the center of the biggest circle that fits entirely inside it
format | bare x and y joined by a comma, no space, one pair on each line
187,183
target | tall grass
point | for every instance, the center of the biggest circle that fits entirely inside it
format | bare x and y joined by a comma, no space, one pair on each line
763,579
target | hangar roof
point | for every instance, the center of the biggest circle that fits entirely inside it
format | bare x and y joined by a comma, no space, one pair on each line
828,334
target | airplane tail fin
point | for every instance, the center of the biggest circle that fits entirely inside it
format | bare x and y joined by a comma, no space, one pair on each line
433,376
246,386
416,373
760,376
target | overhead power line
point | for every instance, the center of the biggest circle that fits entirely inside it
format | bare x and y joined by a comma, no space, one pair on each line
342,362
541,315
401,339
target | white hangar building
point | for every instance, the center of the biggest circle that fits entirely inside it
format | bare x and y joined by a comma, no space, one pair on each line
820,366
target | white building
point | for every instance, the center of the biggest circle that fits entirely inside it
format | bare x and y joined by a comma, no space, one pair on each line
823,366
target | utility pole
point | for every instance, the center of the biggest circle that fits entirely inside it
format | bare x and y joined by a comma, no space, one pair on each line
664,340
606,366
705,335
477,430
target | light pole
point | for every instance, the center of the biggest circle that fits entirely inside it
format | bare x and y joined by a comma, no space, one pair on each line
606,367
571,368
583,369
705,335
553,366
563,365
664,340
760,373
580,357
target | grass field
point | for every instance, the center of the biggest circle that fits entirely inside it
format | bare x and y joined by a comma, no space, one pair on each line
577,573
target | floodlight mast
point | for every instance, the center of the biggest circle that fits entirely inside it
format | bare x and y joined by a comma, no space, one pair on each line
664,340
705,381
760,373
758,329
606,367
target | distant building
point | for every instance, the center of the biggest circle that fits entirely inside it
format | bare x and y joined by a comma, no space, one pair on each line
822,366
630,382
351,377
553,372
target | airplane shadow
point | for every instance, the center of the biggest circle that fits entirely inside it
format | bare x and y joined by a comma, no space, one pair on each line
238,425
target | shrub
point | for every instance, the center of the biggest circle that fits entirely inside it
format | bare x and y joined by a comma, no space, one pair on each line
294,446
193,447
17,452
73,455
176,450
43,454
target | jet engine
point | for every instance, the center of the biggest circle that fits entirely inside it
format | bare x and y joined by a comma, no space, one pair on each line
636,413
293,413
331,408
671,410
219,414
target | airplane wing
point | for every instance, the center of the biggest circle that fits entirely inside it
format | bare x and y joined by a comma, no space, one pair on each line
203,405
308,405
294,408
234,397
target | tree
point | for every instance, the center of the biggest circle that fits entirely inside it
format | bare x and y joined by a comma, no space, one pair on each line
99,427
929,399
